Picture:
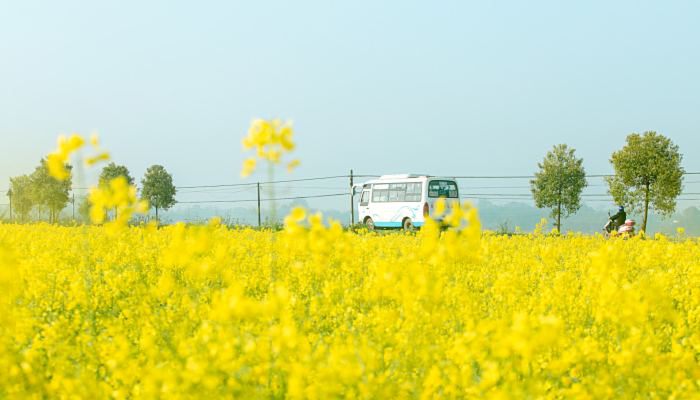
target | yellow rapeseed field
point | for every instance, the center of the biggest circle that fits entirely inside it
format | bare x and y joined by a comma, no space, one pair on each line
315,311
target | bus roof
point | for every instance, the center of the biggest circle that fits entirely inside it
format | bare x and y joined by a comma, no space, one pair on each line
404,177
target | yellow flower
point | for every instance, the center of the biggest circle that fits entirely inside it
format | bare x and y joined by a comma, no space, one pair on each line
118,195
270,140
57,160
248,167
90,161
56,163
293,164
439,207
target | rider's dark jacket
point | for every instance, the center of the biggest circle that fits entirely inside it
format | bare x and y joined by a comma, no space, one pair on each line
619,218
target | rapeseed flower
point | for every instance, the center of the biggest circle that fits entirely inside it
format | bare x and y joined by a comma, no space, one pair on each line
192,311
271,140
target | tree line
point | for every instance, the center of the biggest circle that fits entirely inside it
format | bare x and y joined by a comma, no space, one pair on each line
647,175
42,195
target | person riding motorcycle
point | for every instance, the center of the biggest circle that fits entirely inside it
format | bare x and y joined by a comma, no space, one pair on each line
617,220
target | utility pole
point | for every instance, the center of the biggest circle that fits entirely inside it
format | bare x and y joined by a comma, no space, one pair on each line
73,202
352,201
259,220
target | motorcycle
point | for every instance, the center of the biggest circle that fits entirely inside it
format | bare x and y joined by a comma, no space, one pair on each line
626,229
609,227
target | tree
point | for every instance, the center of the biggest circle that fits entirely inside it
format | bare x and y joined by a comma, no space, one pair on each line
112,171
48,191
648,172
22,200
84,209
559,182
157,188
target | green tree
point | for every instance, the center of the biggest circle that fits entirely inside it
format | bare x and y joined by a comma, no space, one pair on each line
157,187
648,172
50,193
112,171
559,182
84,209
22,199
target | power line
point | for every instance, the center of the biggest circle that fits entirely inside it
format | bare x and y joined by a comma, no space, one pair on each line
216,186
255,200
219,191
518,176
679,199
583,195
532,176
320,178
286,188
530,199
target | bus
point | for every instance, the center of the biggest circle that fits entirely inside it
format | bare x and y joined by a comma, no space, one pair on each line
402,201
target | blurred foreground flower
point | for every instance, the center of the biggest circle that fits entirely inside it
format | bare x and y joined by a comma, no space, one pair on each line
271,140
57,160
119,195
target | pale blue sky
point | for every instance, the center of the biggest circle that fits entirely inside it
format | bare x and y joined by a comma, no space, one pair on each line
472,88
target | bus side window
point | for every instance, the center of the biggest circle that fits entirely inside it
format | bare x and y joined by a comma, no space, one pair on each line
413,191
364,200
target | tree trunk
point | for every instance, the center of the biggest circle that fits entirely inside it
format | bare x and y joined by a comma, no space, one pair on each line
559,208
559,216
157,220
646,208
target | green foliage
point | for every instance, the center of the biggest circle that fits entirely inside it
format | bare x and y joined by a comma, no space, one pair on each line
559,182
21,196
40,190
648,172
158,188
112,171
48,192
84,209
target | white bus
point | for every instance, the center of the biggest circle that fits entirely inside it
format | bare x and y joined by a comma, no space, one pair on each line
402,201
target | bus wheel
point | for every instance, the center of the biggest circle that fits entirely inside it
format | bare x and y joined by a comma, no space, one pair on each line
369,223
407,225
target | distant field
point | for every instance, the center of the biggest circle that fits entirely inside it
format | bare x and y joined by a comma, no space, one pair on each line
315,312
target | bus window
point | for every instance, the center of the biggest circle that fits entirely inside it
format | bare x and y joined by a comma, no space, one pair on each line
364,200
413,191
397,192
380,193
443,189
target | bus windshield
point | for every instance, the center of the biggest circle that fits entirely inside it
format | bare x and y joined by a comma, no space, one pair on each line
443,189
